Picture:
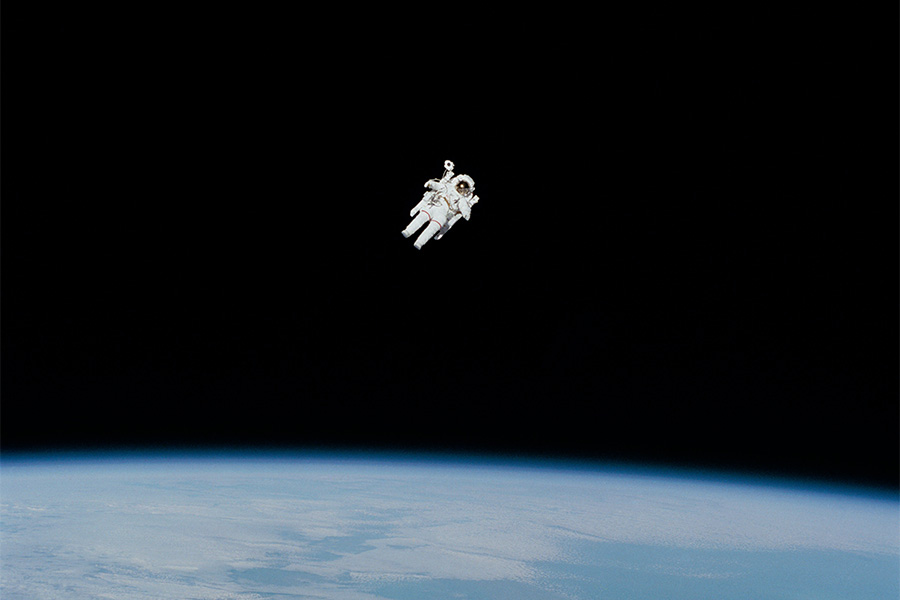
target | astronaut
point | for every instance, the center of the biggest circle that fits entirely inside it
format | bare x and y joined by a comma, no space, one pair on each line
444,203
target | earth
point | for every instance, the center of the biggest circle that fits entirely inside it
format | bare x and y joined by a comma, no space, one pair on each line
390,527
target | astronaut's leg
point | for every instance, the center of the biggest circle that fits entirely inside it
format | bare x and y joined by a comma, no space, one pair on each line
422,217
426,235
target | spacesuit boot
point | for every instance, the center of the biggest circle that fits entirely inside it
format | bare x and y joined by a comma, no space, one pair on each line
421,218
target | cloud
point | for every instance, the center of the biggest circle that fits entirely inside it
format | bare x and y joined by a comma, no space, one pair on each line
248,531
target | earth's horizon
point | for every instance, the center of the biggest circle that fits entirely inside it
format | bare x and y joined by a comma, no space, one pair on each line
255,525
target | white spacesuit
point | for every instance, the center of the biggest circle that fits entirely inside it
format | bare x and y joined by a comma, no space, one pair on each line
446,201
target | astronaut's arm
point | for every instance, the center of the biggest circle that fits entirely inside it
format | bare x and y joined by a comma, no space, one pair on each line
421,203
447,227
434,185
465,210
465,206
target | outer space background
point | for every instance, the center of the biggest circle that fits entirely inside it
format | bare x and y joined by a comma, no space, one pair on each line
685,251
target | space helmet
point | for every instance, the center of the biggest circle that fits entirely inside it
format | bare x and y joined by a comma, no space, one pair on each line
463,184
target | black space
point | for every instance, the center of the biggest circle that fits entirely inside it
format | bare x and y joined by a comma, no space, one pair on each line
685,250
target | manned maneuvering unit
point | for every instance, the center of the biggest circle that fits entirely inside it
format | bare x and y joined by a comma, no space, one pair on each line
444,202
